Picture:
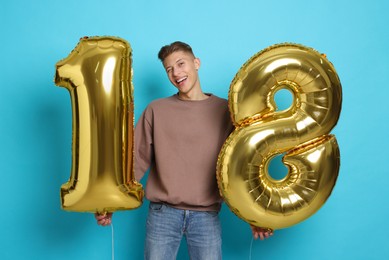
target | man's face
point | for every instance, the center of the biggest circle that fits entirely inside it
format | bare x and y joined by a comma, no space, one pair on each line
181,68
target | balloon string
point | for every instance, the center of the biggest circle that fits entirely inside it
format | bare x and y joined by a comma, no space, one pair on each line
251,247
113,247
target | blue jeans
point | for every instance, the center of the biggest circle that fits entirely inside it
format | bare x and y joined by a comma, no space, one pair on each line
166,226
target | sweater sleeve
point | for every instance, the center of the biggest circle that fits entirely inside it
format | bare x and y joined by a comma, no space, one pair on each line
143,148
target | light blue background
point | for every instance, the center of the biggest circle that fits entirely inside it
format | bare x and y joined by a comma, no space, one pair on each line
35,140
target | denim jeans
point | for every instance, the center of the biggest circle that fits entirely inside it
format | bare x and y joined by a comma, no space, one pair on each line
166,226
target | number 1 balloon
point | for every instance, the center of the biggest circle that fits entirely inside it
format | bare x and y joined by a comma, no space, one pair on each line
300,132
98,75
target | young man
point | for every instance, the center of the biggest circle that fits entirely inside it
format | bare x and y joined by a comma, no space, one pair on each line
179,139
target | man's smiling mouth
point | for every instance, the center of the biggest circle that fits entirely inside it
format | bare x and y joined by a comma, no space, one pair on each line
178,81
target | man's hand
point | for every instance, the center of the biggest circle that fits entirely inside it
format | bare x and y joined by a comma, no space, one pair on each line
104,219
260,232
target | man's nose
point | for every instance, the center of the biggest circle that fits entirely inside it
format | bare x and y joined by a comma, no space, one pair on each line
176,71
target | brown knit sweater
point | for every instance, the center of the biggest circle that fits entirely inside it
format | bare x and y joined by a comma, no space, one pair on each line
179,141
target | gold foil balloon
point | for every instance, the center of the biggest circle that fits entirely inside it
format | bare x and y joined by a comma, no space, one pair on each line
300,133
97,73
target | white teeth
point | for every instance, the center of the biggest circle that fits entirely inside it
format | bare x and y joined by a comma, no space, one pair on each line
180,80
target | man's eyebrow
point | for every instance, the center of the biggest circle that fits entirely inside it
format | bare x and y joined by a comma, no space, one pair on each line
177,61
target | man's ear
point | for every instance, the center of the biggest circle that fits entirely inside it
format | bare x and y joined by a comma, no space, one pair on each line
197,63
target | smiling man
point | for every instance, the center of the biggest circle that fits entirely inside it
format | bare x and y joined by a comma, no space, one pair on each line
179,138
181,67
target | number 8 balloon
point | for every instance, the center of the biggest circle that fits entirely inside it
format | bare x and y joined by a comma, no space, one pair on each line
301,133
97,74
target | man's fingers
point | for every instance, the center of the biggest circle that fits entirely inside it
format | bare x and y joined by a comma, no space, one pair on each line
104,222
100,217
262,233
103,219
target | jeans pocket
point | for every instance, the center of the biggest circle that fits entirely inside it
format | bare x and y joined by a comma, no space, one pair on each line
212,213
156,206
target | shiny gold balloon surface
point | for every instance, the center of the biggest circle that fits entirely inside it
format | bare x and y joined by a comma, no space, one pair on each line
97,74
300,133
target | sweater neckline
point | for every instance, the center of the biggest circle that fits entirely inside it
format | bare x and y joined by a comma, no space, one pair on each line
210,97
